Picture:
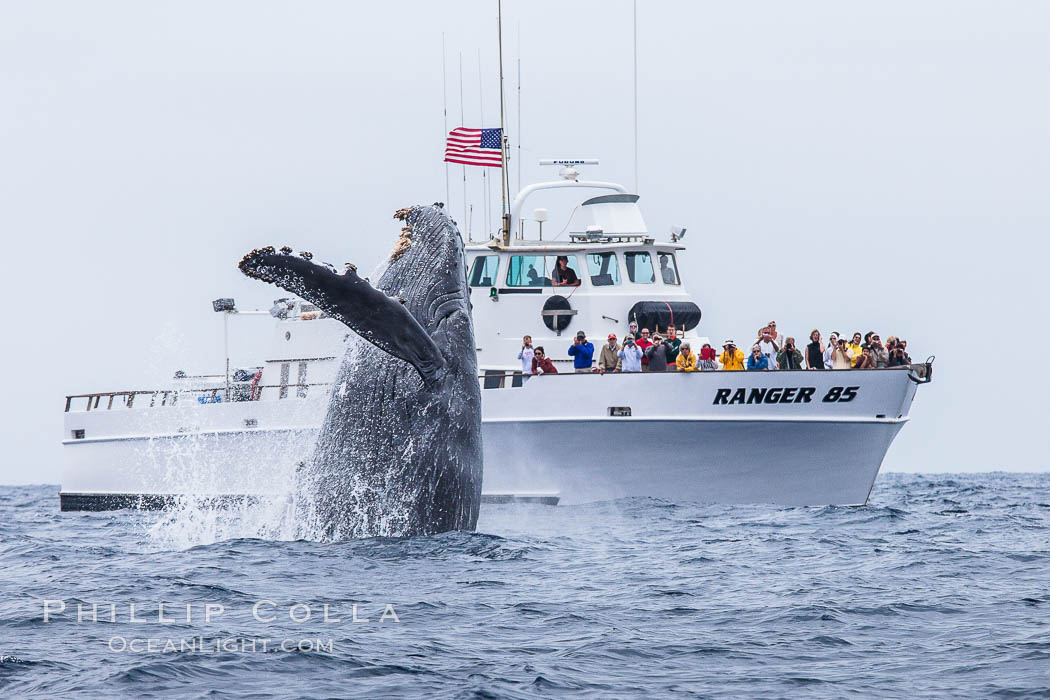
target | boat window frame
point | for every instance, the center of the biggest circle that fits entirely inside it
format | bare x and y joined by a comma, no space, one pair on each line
549,261
630,269
617,277
673,268
493,279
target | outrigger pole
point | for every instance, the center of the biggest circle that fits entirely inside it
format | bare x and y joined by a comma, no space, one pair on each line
504,185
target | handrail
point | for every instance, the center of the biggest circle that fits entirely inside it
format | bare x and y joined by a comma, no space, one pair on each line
202,389
718,371
920,373
93,399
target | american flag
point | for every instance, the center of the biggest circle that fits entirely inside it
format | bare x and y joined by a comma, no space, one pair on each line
474,146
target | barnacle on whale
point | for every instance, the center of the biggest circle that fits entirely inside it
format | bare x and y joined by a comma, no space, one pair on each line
402,213
403,244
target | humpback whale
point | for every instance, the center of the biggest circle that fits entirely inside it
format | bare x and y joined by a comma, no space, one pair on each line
399,451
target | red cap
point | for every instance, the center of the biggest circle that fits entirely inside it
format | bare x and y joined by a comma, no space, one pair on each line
611,335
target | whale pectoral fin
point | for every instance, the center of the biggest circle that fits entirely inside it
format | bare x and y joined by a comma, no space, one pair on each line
379,319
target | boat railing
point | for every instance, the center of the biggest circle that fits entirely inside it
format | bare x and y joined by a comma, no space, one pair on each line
920,372
491,379
108,400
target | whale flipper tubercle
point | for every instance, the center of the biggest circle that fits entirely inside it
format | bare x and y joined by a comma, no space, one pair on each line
370,313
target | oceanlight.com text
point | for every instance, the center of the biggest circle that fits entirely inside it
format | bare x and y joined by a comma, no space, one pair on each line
201,645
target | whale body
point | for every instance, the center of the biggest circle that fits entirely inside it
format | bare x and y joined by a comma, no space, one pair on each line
399,451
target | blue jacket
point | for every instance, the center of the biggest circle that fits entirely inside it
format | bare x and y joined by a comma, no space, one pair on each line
582,355
761,363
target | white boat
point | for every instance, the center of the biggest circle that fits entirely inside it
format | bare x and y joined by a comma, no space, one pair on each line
722,436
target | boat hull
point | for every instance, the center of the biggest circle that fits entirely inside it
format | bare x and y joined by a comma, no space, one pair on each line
568,439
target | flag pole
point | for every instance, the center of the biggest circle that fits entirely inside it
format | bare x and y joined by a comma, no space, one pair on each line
504,187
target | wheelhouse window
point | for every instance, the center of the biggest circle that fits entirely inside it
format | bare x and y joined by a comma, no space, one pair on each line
539,270
603,269
639,267
669,268
527,271
483,271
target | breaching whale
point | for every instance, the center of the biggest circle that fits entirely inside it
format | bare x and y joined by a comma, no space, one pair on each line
399,451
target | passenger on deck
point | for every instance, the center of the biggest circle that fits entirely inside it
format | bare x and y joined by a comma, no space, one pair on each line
757,359
631,355
777,337
878,352
904,348
815,351
525,355
674,343
898,354
841,355
790,357
769,345
854,347
563,275
609,358
833,342
707,361
541,364
644,344
666,271
732,357
865,361
582,353
686,360
632,328
657,354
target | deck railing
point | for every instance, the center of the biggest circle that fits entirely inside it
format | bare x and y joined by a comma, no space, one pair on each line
105,400
492,379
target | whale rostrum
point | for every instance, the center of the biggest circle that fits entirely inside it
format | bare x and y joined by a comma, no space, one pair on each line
399,452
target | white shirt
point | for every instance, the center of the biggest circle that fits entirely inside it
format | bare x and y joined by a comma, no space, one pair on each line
770,352
827,354
526,359
632,358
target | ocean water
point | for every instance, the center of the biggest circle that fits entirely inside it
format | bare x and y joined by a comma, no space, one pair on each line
939,587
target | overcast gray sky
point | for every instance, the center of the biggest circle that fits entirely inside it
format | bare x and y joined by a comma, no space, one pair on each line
842,166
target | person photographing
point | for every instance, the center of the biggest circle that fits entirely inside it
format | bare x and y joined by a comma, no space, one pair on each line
582,353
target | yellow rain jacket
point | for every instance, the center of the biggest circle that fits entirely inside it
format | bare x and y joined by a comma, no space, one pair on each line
686,363
734,361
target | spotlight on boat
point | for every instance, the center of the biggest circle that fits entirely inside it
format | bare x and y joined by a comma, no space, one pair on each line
677,233
223,305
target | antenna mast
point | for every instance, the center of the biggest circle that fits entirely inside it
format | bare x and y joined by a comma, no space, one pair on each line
486,194
465,219
636,96
504,187
518,146
444,110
